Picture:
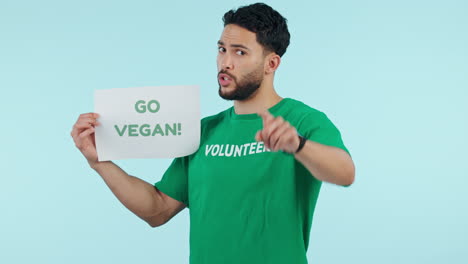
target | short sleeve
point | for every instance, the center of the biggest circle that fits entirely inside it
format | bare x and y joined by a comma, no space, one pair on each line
319,128
174,182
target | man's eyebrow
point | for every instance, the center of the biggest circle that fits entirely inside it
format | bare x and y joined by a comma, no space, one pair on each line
234,45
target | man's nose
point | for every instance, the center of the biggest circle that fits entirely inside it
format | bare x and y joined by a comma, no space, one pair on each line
226,63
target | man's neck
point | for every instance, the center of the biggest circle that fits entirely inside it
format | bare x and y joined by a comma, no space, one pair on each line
264,98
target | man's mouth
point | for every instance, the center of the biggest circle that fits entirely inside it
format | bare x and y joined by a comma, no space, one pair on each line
224,79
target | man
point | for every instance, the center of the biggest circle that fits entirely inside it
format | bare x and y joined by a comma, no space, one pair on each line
252,185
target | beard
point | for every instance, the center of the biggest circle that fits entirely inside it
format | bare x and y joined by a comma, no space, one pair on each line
245,87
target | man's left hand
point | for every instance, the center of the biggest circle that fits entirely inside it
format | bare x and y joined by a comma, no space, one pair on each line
277,134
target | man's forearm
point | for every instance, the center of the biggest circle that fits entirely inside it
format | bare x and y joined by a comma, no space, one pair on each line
137,195
327,163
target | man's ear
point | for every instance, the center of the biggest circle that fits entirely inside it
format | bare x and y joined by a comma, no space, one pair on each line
272,63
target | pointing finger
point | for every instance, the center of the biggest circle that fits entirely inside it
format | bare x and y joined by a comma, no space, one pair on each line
266,116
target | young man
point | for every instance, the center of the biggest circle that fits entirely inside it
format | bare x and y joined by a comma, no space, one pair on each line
253,184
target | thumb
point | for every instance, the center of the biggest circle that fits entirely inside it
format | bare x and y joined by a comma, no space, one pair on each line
258,136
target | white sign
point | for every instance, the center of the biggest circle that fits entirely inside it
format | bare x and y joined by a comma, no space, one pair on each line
147,122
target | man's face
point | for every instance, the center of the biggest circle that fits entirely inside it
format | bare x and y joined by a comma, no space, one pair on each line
240,63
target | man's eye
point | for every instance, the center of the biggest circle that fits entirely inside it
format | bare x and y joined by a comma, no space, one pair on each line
240,52
221,49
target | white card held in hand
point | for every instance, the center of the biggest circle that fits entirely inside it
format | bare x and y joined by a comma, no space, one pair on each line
147,122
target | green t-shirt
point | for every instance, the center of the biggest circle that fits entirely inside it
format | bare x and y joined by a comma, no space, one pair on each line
247,204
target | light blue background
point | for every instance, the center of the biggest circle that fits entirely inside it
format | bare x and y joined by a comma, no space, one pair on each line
391,75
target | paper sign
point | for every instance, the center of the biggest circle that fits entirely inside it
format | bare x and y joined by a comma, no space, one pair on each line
147,122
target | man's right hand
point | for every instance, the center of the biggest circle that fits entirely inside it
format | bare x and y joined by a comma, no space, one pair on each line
83,136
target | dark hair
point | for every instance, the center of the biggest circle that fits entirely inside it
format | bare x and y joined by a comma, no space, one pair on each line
269,26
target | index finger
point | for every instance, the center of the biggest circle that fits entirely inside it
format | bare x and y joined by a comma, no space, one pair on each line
266,116
91,115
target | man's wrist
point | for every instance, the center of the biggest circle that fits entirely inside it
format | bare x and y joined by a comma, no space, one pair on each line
97,165
302,141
